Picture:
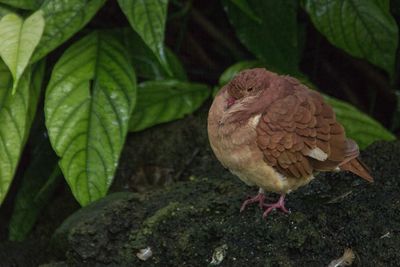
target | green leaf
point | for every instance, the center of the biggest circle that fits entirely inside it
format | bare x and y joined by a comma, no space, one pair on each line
89,99
23,4
363,28
32,197
4,11
38,184
178,70
244,6
18,40
147,18
5,77
274,40
164,101
146,64
231,71
359,126
215,90
385,4
64,19
14,121
35,91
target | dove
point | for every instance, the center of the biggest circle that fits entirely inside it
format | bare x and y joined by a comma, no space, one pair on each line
275,133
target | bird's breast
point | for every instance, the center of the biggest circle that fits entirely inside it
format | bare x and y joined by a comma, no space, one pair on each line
236,148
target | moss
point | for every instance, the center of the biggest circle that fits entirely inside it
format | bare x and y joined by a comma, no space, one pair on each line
139,237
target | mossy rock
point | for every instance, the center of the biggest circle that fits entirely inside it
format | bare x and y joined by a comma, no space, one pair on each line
186,223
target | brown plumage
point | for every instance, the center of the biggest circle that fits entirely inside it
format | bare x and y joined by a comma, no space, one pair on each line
274,132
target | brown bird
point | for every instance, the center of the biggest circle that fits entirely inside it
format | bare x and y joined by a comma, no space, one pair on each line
273,132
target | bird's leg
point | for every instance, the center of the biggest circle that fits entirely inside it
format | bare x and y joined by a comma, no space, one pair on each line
260,198
278,205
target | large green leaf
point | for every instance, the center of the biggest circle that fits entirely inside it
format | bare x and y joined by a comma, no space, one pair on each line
38,184
39,181
89,100
5,77
4,11
63,19
18,40
41,176
244,6
274,39
147,18
359,126
363,28
177,69
163,101
23,4
146,64
35,91
14,121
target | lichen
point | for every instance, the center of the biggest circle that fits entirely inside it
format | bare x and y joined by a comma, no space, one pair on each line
139,237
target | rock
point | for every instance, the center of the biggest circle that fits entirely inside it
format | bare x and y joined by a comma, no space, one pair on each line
189,222
99,230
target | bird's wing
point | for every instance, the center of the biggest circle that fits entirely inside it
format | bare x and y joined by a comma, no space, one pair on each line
299,134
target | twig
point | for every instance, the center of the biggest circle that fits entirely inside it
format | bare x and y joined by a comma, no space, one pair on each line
338,198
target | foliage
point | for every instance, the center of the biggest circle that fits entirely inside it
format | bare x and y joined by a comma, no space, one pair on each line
273,39
166,100
358,125
102,81
89,100
363,28
14,119
147,18
18,40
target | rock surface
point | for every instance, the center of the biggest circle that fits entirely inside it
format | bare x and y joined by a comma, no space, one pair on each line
188,222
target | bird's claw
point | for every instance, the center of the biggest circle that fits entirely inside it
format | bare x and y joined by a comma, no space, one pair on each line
260,198
278,205
268,208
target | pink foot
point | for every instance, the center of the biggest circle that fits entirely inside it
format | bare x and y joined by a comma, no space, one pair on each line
278,205
260,198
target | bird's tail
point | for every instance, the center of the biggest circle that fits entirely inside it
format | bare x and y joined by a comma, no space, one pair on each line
357,167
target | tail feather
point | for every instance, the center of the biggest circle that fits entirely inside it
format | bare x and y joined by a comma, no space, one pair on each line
357,167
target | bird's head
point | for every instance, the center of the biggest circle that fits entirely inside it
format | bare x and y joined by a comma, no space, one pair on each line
246,84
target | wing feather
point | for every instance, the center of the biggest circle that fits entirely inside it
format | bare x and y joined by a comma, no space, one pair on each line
298,133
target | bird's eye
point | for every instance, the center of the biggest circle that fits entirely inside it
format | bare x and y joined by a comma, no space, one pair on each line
250,89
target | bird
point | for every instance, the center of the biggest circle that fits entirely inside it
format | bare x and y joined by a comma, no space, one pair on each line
275,133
